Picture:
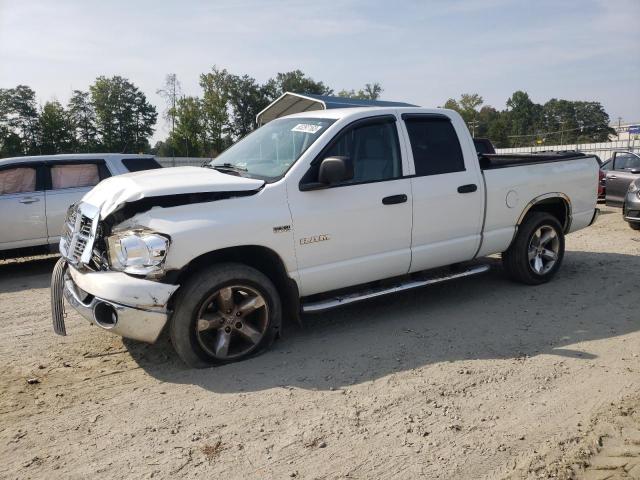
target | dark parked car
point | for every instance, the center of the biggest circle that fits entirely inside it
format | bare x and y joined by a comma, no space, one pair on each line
625,168
631,209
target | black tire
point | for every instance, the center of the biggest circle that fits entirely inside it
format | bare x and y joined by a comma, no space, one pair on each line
184,329
516,259
634,225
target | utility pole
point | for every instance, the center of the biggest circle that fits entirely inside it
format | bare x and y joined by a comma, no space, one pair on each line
619,127
472,126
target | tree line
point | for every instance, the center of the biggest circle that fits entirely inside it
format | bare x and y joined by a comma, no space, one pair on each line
114,115
226,110
525,123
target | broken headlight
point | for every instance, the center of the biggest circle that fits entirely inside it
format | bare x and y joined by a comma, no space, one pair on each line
138,252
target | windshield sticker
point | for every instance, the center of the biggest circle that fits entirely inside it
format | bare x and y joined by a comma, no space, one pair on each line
307,128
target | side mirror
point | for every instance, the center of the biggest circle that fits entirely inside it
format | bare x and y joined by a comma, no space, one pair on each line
635,171
332,170
335,170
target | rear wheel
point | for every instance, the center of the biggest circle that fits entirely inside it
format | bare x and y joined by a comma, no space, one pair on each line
635,225
536,254
223,314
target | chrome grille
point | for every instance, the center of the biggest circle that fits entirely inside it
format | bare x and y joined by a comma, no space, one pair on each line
76,235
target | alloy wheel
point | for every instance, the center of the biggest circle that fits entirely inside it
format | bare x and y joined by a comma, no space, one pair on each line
232,322
544,249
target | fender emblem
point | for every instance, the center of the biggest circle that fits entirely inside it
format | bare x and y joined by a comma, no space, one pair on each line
314,239
282,229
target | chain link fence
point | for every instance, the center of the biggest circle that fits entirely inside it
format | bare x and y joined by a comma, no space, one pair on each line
182,161
604,150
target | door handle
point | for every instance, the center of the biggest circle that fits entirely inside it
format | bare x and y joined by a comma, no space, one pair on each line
29,200
472,187
612,176
393,199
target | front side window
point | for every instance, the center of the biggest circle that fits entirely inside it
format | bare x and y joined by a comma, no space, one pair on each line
435,146
74,175
372,148
268,152
627,161
17,180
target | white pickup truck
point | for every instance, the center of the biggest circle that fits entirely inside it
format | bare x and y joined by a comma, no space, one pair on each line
309,212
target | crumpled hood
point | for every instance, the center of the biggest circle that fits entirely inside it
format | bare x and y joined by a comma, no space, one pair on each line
113,192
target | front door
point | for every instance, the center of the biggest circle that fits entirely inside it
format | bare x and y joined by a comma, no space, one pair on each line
22,208
625,169
360,230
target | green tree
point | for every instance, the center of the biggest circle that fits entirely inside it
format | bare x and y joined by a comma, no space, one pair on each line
575,122
19,122
56,131
294,81
467,107
124,117
486,117
189,136
82,117
246,98
524,118
371,91
498,131
593,122
215,99
452,104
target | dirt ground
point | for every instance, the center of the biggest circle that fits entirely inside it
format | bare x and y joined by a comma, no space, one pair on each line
478,378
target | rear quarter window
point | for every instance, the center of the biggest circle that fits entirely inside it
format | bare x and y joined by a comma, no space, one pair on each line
139,164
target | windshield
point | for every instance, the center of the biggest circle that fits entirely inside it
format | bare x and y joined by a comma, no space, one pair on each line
268,152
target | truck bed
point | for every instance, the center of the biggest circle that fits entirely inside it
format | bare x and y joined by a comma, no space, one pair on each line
513,182
492,161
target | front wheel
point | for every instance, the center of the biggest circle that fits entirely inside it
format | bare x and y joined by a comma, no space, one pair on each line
634,225
536,254
223,314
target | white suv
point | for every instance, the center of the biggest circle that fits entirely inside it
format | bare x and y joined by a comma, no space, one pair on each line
35,193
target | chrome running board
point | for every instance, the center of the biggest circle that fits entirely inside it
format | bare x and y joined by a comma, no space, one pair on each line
338,301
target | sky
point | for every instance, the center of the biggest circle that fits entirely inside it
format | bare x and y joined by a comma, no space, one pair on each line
422,52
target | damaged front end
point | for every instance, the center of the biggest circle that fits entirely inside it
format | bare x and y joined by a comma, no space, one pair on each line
124,304
112,269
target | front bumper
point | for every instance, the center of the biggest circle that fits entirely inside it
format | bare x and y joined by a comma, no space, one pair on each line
102,297
631,210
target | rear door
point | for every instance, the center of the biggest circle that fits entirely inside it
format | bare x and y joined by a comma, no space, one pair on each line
22,206
448,198
625,169
67,183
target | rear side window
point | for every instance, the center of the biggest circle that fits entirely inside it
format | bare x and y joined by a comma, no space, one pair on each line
17,180
138,164
74,175
435,146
